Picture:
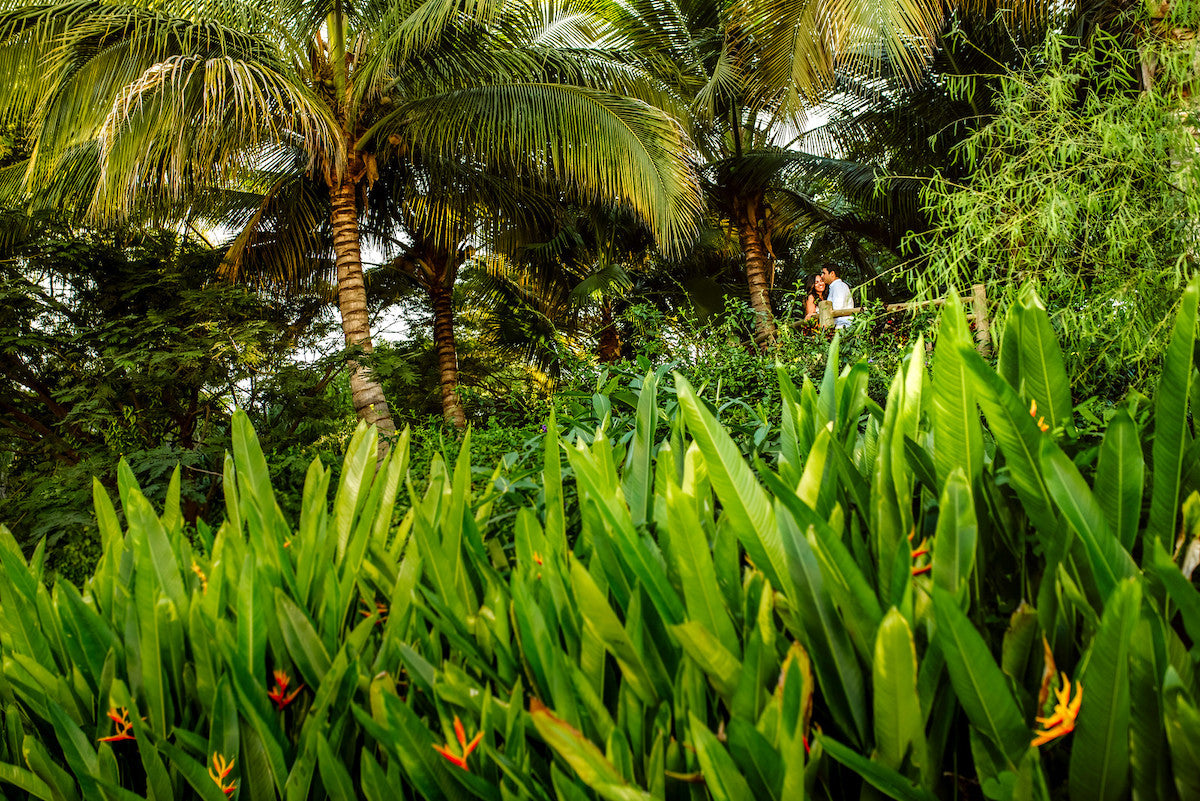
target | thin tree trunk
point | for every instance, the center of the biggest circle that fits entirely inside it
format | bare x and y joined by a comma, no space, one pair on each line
366,392
441,294
758,271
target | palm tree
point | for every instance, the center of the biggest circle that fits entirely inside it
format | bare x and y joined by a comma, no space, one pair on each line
748,71
142,113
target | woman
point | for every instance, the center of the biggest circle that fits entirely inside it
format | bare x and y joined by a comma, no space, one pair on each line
816,293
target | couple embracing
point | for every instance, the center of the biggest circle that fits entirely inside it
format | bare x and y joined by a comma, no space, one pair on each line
828,286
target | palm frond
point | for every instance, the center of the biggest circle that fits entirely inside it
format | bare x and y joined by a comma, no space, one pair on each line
600,146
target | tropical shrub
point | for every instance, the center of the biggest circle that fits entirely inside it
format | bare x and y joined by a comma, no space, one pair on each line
902,599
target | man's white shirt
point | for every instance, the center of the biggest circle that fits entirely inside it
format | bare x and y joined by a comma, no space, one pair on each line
839,296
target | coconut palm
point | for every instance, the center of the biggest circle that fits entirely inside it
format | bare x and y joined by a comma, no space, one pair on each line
143,111
748,71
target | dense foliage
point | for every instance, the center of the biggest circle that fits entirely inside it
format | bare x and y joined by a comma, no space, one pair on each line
907,604
1085,185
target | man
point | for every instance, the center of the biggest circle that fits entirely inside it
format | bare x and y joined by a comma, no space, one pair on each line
838,294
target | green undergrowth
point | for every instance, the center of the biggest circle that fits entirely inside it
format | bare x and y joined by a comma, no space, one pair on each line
955,588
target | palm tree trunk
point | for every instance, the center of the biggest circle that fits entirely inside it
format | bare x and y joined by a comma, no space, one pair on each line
757,270
608,346
441,294
366,392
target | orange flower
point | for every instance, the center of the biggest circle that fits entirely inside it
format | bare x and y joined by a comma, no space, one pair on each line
279,693
203,578
1041,421
466,747
1062,722
381,610
921,550
219,770
123,725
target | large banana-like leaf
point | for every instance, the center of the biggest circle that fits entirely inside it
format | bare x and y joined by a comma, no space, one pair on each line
824,634
745,503
1182,720
899,724
1100,754
957,435
1171,433
640,556
1043,372
790,459
556,530
603,622
1120,476
1110,563
849,589
722,777
957,536
639,464
1017,434
882,778
1150,774
978,682
583,756
692,556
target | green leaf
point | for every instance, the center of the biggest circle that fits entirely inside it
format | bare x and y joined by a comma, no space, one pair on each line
600,619
195,773
25,780
1171,435
878,776
760,763
745,503
1120,475
956,538
1179,589
1018,436
354,484
1109,562
1182,720
692,557
334,776
303,644
824,634
957,435
639,471
1100,753
899,724
1042,370
721,667
978,682
583,756
722,777
1150,774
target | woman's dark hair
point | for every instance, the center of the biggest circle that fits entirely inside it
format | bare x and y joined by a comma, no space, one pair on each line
810,286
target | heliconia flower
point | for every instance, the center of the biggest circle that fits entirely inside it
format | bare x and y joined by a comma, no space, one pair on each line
921,550
219,770
380,610
466,747
203,578
1041,421
1066,710
124,727
279,693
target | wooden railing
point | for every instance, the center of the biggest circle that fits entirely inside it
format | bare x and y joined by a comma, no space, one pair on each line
977,312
